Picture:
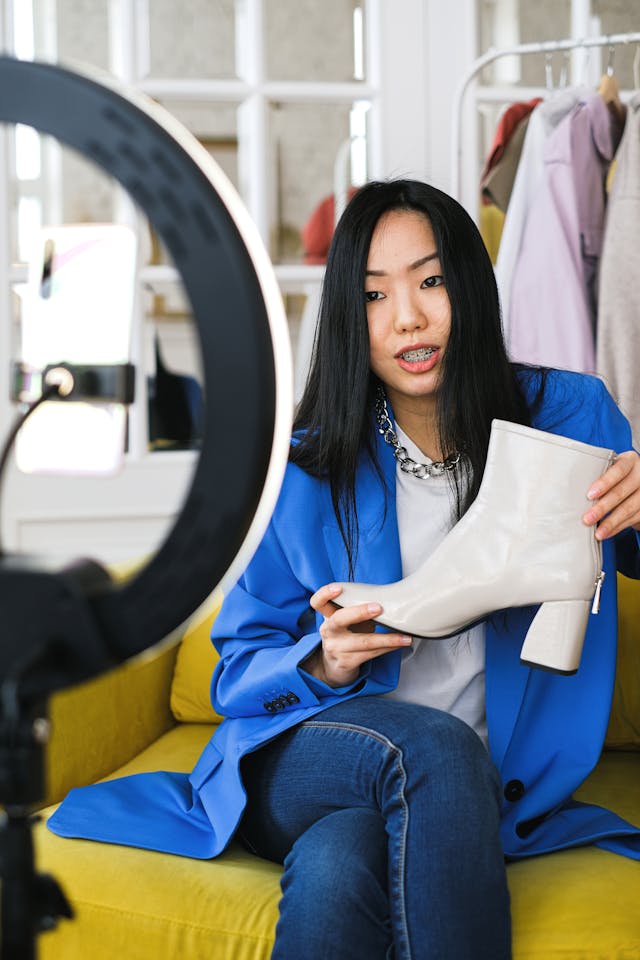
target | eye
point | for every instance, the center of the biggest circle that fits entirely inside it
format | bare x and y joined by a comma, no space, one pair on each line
435,281
371,295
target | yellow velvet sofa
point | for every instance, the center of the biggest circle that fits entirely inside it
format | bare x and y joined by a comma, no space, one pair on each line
154,713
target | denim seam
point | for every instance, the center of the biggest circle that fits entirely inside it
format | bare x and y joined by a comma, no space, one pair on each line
397,752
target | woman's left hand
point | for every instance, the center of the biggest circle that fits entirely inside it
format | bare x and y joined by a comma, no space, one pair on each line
617,493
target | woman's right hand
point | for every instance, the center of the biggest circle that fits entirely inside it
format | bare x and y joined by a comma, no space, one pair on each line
348,638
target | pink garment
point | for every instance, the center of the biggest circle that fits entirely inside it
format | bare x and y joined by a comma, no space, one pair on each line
529,175
553,290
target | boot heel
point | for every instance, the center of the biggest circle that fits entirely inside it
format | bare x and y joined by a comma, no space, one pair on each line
555,638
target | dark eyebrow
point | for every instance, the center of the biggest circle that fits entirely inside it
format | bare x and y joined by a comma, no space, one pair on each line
412,266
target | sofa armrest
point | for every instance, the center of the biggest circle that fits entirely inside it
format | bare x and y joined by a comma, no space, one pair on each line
100,725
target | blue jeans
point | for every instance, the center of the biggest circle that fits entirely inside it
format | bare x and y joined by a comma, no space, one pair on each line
386,816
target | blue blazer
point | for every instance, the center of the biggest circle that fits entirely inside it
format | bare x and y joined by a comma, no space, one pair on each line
545,731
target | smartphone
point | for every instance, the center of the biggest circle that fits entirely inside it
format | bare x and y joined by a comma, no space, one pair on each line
77,307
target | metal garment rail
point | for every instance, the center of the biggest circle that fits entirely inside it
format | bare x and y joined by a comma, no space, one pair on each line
548,47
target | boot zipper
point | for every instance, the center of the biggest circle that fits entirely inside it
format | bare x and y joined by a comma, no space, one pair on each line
595,607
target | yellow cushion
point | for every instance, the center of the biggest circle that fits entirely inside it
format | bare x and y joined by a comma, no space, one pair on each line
150,906
130,704
624,724
146,906
582,904
579,904
190,690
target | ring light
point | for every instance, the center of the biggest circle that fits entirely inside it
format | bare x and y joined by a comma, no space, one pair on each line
241,327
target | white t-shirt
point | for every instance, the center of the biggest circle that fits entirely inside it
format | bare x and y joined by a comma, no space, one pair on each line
447,674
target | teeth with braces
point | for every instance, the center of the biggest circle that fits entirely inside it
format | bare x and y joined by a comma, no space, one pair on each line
423,353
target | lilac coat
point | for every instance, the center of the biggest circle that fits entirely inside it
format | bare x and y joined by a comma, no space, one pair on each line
553,291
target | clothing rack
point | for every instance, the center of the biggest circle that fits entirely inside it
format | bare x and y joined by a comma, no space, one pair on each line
546,47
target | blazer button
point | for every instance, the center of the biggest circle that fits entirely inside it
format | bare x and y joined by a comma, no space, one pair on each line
269,706
280,703
514,790
292,698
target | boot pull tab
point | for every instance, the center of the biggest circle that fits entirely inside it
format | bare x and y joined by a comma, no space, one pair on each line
595,607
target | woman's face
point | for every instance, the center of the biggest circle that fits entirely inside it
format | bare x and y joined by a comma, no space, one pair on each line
408,309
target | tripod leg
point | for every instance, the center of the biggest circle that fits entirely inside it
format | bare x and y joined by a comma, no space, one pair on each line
30,902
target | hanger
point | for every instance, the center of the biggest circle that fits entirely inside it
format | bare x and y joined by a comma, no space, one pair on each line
609,89
548,70
564,70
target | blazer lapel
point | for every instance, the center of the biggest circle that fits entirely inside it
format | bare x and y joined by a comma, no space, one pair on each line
378,558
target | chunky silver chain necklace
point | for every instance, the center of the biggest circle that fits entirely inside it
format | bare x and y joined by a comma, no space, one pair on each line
420,470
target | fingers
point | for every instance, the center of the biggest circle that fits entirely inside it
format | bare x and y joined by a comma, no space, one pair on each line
322,599
344,652
617,493
348,637
356,616
355,619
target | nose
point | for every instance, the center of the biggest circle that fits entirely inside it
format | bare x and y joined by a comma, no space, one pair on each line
408,314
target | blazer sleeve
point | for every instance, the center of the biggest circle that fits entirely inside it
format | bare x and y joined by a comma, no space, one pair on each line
615,431
264,631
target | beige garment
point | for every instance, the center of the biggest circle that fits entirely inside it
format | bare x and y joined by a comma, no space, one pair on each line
618,328
496,186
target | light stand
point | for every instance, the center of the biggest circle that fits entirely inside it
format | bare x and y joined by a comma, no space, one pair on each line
38,660
58,627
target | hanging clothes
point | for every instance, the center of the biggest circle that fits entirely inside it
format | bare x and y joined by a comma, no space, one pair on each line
544,118
618,340
496,180
317,232
490,224
553,289
496,186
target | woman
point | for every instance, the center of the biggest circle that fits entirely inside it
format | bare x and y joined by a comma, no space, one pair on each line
391,778
385,811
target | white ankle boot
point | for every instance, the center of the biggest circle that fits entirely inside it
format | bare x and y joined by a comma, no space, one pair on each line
521,542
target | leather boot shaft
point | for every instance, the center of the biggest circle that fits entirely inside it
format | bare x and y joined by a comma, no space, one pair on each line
521,542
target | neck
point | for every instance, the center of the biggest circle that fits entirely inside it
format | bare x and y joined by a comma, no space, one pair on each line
416,416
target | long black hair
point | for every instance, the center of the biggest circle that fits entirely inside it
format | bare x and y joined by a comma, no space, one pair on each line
335,415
